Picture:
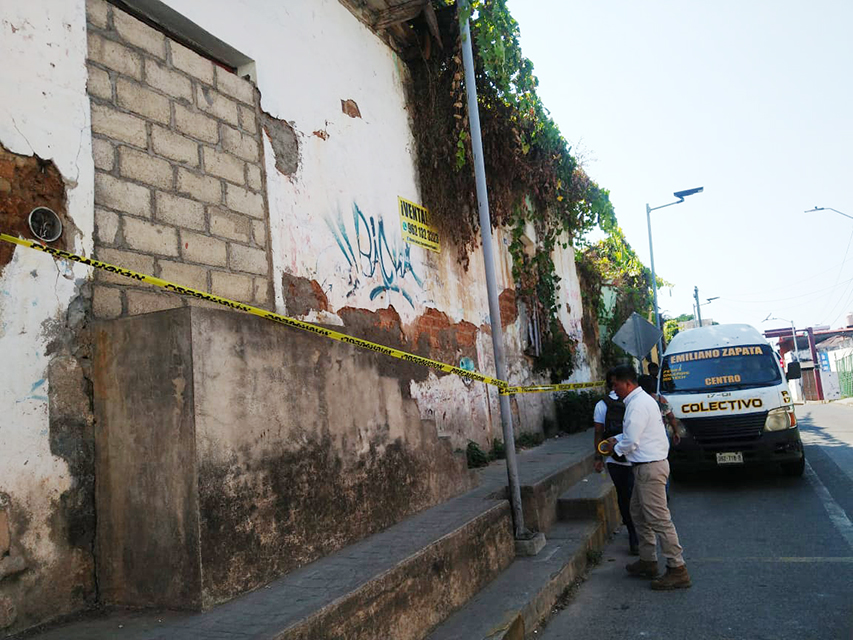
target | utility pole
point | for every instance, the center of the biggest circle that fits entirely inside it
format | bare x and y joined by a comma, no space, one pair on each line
680,195
698,312
521,532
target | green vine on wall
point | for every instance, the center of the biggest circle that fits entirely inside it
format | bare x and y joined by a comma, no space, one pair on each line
612,262
533,177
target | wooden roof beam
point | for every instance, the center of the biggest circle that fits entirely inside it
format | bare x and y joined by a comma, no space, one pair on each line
402,12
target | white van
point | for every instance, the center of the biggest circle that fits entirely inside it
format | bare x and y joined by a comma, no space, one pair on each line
727,387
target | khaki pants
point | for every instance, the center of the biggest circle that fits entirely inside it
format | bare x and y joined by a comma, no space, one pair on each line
651,513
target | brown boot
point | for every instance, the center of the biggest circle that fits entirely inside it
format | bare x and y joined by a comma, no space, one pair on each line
674,578
643,568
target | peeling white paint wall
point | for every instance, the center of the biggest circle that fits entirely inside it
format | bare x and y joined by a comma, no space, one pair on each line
335,220
44,110
307,62
571,307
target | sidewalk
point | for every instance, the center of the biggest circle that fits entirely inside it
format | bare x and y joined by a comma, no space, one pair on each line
267,612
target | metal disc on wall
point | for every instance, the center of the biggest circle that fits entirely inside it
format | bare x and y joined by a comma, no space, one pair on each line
45,224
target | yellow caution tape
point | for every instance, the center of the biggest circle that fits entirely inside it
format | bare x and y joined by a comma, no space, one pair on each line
502,386
269,315
569,386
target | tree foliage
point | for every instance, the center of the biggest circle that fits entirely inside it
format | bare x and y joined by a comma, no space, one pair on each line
612,262
671,328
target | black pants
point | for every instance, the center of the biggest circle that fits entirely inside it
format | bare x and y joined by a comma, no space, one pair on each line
623,478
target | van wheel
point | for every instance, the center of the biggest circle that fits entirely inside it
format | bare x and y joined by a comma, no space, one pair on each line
794,469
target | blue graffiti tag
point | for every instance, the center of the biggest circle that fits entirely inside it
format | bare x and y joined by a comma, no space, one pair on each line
373,255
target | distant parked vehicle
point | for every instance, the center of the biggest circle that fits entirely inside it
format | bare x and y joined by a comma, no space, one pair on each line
726,385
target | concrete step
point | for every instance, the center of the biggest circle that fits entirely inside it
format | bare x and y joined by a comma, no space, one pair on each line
397,584
539,495
593,497
523,595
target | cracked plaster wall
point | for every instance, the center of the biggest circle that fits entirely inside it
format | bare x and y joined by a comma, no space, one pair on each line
341,91
333,216
43,48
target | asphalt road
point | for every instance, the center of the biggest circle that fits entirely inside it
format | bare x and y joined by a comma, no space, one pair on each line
770,557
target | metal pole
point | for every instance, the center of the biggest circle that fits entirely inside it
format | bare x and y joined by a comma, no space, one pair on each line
816,363
491,282
698,312
638,342
794,335
654,278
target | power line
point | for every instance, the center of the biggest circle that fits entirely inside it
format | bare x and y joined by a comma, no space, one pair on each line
840,269
844,306
809,294
841,313
808,279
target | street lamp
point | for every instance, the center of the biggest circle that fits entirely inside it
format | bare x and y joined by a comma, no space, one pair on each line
793,335
828,209
700,304
680,195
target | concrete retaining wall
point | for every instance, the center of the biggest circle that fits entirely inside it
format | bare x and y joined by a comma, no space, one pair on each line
233,450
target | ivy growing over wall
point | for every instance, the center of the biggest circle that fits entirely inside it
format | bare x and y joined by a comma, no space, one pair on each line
612,262
533,178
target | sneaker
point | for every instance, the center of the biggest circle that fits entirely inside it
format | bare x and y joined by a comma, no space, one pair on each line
643,568
674,578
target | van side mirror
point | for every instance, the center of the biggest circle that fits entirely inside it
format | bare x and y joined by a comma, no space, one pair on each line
794,372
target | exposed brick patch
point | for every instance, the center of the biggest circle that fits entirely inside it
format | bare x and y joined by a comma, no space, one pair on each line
467,334
432,335
387,319
436,337
350,108
27,182
508,306
302,295
383,326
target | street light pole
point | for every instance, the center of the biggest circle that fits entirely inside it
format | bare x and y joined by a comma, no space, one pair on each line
794,355
698,310
812,211
699,304
521,532
652,259
680,195
828,209
793,335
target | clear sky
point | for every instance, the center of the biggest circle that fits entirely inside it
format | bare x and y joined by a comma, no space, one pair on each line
751,100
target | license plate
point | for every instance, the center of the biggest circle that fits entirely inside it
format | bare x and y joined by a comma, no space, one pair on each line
735,457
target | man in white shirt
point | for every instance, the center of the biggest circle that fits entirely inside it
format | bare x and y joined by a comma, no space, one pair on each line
644,443
607,418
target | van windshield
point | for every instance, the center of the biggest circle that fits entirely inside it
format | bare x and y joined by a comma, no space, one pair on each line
723,368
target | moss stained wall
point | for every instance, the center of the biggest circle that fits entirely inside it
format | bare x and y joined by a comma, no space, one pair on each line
286,445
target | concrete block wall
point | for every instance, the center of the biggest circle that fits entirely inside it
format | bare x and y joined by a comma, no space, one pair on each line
179,181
